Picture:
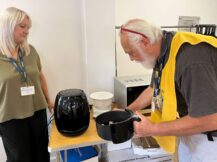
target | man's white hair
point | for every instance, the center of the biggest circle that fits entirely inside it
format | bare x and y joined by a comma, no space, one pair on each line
9,18
152,32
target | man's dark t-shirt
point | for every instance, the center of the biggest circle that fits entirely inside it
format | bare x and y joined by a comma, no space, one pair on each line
195,77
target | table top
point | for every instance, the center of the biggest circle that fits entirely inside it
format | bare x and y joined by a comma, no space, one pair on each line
60,142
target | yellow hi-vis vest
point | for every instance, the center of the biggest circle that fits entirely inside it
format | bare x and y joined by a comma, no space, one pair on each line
167,85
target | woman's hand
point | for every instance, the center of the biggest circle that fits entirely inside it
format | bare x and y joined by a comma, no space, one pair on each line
50,106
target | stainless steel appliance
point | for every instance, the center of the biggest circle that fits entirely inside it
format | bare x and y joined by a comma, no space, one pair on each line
128,88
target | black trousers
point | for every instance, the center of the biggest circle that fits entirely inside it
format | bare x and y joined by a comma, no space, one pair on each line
26,140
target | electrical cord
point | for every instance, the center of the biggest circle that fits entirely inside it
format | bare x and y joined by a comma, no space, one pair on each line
50,120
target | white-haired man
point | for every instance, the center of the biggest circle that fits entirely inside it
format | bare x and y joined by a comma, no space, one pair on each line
184,82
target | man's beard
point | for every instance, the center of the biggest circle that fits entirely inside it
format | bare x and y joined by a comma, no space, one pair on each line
148,61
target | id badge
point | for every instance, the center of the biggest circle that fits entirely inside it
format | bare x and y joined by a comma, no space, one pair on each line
153,104
29,90
157,103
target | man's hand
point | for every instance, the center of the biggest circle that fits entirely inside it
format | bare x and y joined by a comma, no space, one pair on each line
144,127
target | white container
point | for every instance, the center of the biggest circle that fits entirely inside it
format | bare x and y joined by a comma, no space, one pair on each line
124,145
102,100
97,112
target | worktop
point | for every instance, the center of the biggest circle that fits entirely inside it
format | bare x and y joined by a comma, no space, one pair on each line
60,142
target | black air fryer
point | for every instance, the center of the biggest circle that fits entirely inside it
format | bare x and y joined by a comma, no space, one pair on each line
71,112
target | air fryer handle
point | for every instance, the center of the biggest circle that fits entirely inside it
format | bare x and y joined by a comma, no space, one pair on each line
114,134
136,118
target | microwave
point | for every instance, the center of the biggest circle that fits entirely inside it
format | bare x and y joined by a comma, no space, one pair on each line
128,88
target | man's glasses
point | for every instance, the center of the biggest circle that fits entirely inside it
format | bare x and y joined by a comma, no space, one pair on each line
132,31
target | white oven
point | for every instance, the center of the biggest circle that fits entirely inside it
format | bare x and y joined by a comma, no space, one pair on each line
128,88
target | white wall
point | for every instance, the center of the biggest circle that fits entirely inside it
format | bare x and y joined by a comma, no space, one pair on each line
76,38
165,12
99,16
160,13
56,34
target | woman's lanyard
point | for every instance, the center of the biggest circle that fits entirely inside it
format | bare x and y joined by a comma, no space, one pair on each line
19,67
25,90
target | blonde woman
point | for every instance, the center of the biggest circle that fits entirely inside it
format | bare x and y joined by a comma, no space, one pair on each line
23,92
